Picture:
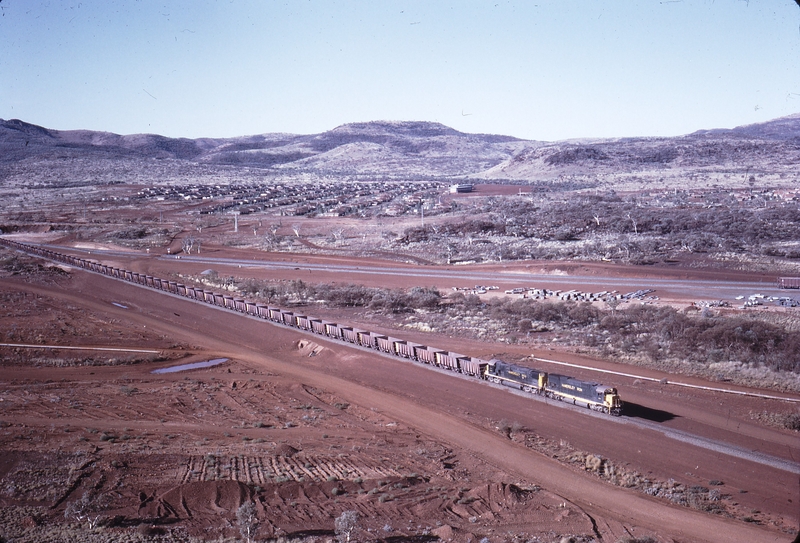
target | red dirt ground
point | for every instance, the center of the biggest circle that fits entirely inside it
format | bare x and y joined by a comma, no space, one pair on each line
415,451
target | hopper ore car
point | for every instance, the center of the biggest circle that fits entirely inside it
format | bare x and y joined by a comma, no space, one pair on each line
365,339
473,366
333,330
399,346
407,349
385,344
303,322
788,282
427,355
561,387
450,361
348,334
288,318
318,326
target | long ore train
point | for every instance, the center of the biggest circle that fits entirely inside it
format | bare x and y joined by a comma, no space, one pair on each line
560,387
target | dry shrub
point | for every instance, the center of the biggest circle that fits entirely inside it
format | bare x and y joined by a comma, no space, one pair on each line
789,421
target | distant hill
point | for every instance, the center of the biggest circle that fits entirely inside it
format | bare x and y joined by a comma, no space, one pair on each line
770,148
400,149
379,147
19,139
784,128
374,147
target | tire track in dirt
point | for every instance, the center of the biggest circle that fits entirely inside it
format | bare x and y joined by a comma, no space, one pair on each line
598,498
627,506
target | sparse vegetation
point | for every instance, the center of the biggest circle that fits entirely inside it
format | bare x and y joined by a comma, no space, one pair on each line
299,292
84,195
788,421
716,345
660,227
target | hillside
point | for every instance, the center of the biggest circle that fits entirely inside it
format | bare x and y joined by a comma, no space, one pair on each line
402,150
768,150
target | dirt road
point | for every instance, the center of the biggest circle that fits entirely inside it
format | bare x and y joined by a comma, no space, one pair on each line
416,404
441,406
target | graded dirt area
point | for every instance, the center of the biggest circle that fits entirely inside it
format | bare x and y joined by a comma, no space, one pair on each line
306,428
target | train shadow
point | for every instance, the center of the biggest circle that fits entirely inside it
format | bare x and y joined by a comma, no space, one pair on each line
634,410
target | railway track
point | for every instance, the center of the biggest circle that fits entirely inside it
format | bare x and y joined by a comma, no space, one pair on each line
592,395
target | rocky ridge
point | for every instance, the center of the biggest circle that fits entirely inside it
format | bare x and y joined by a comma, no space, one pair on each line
414,150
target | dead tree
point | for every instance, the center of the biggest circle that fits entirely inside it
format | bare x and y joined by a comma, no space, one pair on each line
187,244
451,251
345,524
633,221
613,303
338,234
82,510
247,519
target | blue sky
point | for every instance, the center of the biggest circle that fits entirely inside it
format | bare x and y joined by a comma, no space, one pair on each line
538,69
